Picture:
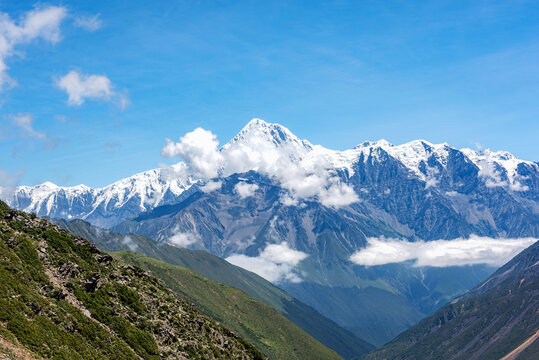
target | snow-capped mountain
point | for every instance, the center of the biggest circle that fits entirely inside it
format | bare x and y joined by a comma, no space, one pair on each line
102,206
306,172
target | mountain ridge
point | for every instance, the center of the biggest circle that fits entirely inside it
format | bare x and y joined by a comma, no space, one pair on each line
141,192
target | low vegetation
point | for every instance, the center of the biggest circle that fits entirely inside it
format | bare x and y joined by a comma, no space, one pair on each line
253,320
62,298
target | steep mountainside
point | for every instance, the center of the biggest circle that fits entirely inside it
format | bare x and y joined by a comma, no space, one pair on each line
60,297
498,318
256,322
376,303
217,269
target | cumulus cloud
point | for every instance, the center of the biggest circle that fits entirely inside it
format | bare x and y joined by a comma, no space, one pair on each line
130,243
199,150
182,239
42,22
211,186
275,263
95,87
303,174
244,189
441,253
89,23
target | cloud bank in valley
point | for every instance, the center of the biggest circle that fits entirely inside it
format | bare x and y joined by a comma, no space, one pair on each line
305,175
441,253
275,263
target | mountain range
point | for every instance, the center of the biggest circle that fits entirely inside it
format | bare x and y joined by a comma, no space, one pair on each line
298,213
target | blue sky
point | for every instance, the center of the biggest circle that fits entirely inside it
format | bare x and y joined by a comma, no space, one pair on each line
337,73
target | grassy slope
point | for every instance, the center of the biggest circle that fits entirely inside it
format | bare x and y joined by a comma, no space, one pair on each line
321,328
255,321
487,323
62,298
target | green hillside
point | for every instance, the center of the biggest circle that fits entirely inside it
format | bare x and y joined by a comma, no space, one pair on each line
212,267
253,320
62,298
498,318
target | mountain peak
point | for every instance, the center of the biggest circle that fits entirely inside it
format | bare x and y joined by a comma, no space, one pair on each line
382,143
258,130
48,184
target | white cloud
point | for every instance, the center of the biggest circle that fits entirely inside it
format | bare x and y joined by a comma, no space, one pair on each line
303,176
182,239
128,241
211,186
90,23
441,253
96,87
244,189
275,263
173,172
199,150
431,179
282,253
488,170
24,122
42,22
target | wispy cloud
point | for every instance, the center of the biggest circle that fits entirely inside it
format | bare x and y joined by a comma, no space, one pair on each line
24,123
42,22
22,126
441,253
8,182
112,147
130,243
275,263
80,87
89,23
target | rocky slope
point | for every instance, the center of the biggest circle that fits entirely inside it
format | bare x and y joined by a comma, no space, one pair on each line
256,322
60,297
497,320
215,268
